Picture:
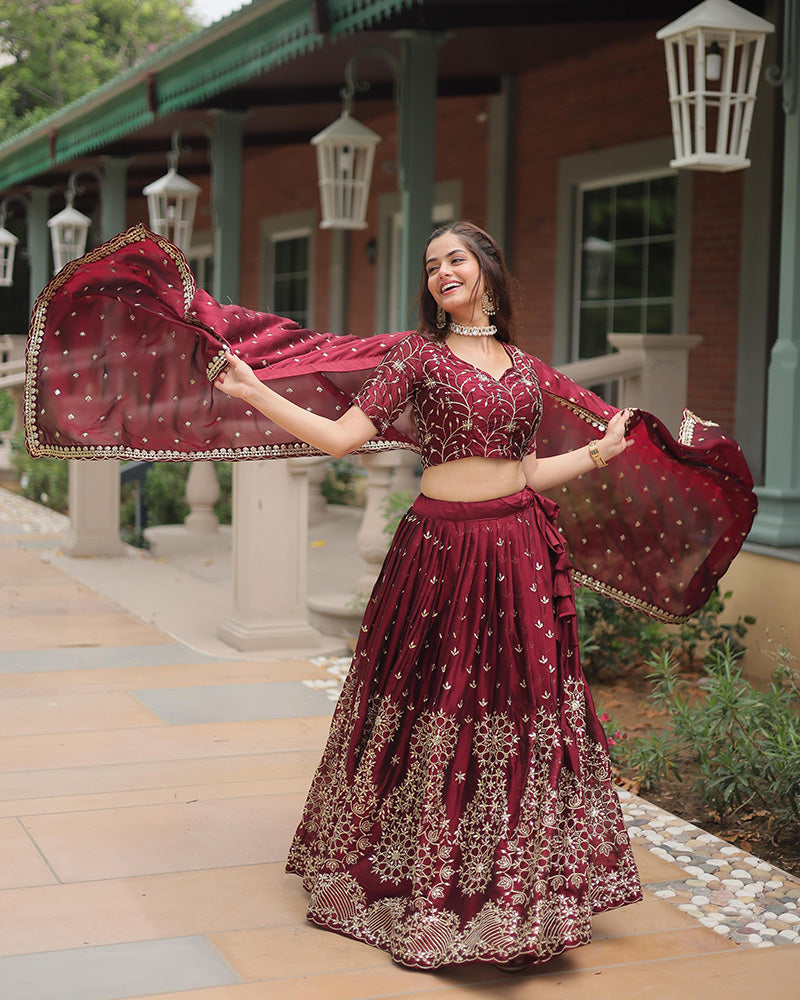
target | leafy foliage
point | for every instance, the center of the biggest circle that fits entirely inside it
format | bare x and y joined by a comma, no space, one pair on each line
6,410
744,742
45,480
393,508
338,486
55,51
615,640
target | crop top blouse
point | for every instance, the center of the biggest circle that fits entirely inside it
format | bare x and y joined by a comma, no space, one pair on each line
460,411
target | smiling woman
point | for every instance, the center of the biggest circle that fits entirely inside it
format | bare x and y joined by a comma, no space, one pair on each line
463,809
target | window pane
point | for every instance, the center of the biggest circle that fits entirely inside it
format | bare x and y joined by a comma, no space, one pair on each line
594,330
630,214
627,319
597,213
659,319
662,206
660,269
628,268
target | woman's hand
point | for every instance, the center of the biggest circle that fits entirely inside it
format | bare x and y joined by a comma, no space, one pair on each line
614,442
238,379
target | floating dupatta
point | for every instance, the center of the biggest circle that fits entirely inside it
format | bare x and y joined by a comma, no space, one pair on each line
123,349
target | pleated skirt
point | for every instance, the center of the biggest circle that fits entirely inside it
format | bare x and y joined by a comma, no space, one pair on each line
463,809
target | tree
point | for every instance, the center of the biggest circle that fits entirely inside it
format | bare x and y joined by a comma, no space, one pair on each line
55,51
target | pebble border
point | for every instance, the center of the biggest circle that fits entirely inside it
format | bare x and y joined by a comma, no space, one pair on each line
737,895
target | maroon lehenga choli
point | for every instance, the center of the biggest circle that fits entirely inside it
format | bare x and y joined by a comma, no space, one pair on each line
463,809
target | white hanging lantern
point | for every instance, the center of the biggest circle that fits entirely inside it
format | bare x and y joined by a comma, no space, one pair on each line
714,54
171,203
8,246
68,232
345,153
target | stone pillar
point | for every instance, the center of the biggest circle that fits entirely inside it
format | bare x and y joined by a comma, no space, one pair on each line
94,485
202,492
226,195
94,508
315,468
38,240
662,387
373,542
270,558
778,518
417,157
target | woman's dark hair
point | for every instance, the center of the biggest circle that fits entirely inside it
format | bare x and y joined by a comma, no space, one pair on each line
495,274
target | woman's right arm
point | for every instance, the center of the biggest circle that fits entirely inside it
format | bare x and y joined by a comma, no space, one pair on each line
334,437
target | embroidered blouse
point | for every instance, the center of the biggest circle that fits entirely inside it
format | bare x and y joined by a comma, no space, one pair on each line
460,411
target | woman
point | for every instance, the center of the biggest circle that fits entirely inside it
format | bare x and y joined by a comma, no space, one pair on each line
463,809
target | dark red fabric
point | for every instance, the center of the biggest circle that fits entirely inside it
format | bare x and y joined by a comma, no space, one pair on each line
463,809
122,347
459,410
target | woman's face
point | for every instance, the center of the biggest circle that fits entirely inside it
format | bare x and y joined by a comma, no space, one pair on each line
454,279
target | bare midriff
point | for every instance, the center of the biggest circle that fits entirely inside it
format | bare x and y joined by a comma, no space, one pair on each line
469,479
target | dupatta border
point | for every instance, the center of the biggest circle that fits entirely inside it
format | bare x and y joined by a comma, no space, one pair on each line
136,234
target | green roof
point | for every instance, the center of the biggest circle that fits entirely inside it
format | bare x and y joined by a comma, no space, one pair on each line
243,45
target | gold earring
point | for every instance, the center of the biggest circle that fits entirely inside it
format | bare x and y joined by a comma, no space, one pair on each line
441,318
487,303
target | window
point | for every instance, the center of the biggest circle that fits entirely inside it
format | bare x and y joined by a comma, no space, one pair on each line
288,278
625,261
622,251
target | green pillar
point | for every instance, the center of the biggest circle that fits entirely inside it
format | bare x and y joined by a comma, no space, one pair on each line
226,194
417,157
38,240
778,519
114,196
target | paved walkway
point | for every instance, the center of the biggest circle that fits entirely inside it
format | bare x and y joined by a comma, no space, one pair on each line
148,791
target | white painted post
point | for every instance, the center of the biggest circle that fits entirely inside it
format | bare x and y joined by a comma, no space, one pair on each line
94,509
665,372
270,558
202,492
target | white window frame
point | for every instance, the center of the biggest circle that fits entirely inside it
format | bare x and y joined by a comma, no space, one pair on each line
286,227
446,206
606,168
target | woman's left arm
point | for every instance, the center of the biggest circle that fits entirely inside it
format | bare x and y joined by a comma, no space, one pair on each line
544,473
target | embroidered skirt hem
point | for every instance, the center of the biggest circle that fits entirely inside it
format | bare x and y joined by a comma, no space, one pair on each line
463,809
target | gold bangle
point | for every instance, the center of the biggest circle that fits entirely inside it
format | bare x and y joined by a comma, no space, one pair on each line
596,457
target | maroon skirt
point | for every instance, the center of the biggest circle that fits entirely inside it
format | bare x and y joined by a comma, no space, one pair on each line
463,809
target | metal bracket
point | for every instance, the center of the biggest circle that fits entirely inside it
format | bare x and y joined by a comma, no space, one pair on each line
786,75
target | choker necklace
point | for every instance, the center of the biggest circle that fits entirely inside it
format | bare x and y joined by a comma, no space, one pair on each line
472,331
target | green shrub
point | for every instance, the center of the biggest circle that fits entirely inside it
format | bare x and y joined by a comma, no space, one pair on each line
615,639
338,486
6,410
45,480
744,742
393,507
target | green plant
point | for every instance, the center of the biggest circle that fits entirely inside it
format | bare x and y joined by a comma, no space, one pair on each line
393,507
6,410
613,639
704,631
338,486
743,741
45,480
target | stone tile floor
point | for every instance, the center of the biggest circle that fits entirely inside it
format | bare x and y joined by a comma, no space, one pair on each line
145,811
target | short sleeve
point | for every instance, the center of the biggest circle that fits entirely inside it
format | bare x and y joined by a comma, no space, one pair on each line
389,389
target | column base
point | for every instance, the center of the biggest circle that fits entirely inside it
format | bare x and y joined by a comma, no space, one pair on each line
777,522
297,636
86,545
